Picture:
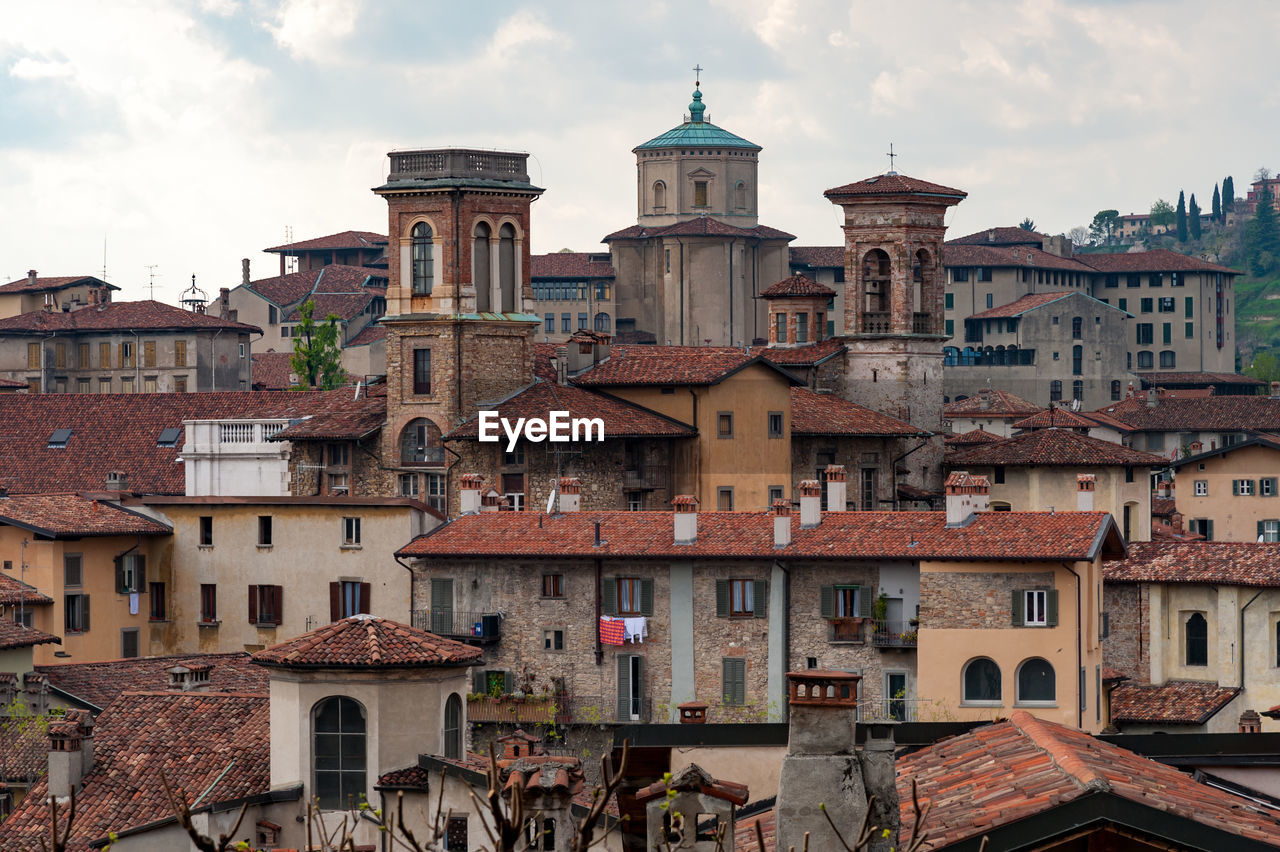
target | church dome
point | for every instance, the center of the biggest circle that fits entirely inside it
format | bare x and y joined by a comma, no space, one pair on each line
696,132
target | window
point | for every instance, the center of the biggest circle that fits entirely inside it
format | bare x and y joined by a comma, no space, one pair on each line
1036,684
949,301
1242,487
350,532
699,193
148,353
1196,631
338,752
435,491
1077,360
724,424
549,323
1189,330
775,424
348,598
131,574
601,322
513,490
1123,304
950,327
408,484
724,499
582,321
266,605
1166,305
82,386
984,274
158,611
1202,526
659,195
628,596
553,640
668,259
740,195
241,350
1077,328
421,444
60,355
104,385
453,726
1115,390
422,371
802,328
104,356
76,613
1145,359
775,493
129,643
421,248
1035,608
126,355
1145,333
733,680
1166,333
1269,531
1147,305
208,603
981,680
553,585
566,322
206,531
1055,390
1133,281
126,384
990,300
149,384
1202,488
1168,358
1155,279
1077,390
1267,486
33,356
780,327
455,834
264,531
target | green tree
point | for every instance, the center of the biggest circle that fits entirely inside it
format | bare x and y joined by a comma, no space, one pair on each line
317,358
1215,214
1193,218
1228,195
1182,217
1265,366
1104,225
1027,224
1162,213
1262,239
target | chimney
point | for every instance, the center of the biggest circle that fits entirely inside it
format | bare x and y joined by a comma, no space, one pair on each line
686,519
1086,484
492,501
193,677
1196,447
1250,722
117,481
837,487
984,399
570,493
244,271
693,713
1131,391
66,754
1175,522
4,492
1153,397
810,504
1275,390
93,296
965,494
781,522
469,485
31,278
224,303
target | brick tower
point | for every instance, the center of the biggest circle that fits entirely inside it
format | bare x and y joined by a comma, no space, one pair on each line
459,331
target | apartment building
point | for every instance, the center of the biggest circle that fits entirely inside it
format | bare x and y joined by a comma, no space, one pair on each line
1229,493
573,291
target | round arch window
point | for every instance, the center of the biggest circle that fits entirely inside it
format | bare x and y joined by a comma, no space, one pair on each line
1036,682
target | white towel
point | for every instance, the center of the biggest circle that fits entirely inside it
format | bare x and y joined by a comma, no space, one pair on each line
133,603
636,628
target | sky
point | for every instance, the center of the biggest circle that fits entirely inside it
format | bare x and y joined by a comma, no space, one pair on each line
185,136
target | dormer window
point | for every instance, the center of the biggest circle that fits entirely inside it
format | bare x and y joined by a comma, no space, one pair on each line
59,438
169,436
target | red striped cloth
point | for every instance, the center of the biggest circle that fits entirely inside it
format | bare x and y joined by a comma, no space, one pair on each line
611,631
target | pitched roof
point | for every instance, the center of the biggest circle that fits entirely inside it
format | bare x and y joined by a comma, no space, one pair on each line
797,285
340,240
1154,260
893,183
352,423
622,419
75,516
827,414
807,355
272,370
570,264
56,282
286,290
1015,770
1233,563
1030,302
697,133
669,365
24,748
840,535
1059,447
212,745
119,316
1016,256
14,592
119,432
992,403
1197,413
98,684
1000,236
345,306
817,256
1055,417
701,226
1163,506
1173,703
1267,442
971,438
14,635
369,334
364,642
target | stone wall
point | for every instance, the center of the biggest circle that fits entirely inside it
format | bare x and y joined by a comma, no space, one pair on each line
1127,649
974,601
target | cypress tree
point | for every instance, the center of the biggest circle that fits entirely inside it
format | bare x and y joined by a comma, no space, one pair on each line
1193,217
1228,194
1216,214
1182,217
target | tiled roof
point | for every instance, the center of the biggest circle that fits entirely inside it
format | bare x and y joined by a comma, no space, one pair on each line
1163,506
701,226
840,535
1173,378
894,184
14,635
74,516
1101,418
1017,256
971,438
1057,416
667,365
344,306
24,749
1014,770
369,334
410,778
271,370
1002,236
694,777
1161,531
215,746
1155,260
353,423
1020,306
118,316
827,414
290,290
367,641
570,264
542,355
1198,413
818,256
999,404
100,683
808,355
340,240
1054,447
797,285
1267,442
621,419
1174,703
56,282
697,134
286,290
13,592
1232,563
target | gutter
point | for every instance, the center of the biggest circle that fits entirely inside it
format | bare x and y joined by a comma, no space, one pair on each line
397,558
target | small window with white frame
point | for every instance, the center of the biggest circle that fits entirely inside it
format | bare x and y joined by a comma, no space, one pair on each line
1202,488
350,532
1244,487
1270,531
1035,608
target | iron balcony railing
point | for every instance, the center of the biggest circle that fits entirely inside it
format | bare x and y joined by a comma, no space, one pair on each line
468,626
893,634
876,323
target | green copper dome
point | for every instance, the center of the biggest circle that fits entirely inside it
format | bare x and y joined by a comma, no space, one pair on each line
697,133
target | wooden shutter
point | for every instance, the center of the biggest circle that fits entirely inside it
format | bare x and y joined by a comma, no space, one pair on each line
149,353
140,572
864,601
364,598
760,598
1051,607
335,601
253,604
84,613
609,596
1274,482
1262,531
1235,488
734,679
624,688
122,364
1016,607
828,601
121,589
479,683
646,597
508,683
277,600
180,352
1207,532
722,598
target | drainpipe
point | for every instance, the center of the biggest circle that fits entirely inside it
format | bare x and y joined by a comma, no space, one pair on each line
410,570
599,582
1242,609
1079,653
893,470
697,471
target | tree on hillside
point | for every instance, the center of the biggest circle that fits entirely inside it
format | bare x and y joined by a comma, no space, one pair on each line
1162,213
1027,224
1182,217
1262,239
1193,218
1228,195
1265,366
1104,225
317,358
1215,214
1079,235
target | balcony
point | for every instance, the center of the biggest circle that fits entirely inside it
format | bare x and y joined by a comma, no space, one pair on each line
645,477
846,629
876,323
893,634
459,163
557,709
475,628
922,323
900,710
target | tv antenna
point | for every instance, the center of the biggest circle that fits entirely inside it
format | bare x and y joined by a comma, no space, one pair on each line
151,283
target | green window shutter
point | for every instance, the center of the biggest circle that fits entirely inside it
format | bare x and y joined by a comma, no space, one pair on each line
442,594
864,601
1207,532
120,586
828,598
624,688
1262,530
726,680
508,683
646,597
478,682
1016,607
609,596
760,598
1235,488
1051,604
734,680
84,613
722,598
1274,481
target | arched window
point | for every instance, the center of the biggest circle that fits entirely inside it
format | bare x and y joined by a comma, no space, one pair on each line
1077,360
453,726
1115,389
1000,506
338,752
1077,390
420,444
1197,642
1036,683
1145,360
740,195
1168,359
421,251
876,270
480,271
659,195
602,322
1055,390
507,268
1077,328
982,681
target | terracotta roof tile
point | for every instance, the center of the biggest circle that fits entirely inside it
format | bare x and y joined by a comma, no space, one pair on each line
971,438
1155,260
665,365
369,334
1254,564
13,592
1020,306
622,419
1000,236
286,290
1016,256
352,423
1161,531
102,682
344,306
340,240
1173,703
841,535
807,355
571,264
1055,417
56,282
1197,413
827,414
74,516
367,641
998,404
542,355
131,316
894,184
14,635
826,257
1163,506
410,778
1064,447
24,750
272,370
797,285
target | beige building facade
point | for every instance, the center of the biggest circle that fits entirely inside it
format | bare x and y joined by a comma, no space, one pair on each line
1232,493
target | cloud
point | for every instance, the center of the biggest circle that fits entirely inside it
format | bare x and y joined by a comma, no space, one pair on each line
30,68
314,30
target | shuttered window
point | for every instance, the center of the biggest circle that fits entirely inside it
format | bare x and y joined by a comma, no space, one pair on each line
1035,608
266,605
845,601
348,598
180,353
149,353
630,687
734,676
33,356
627,596
742,598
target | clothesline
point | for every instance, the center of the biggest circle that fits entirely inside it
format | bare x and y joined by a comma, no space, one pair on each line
618,631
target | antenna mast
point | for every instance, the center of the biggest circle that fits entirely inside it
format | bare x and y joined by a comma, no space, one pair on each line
151,284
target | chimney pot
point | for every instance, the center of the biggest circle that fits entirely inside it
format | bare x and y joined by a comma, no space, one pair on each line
810,504
1086,484
781,510
686,519
837,487
469,485
244,271
1250,722
570,493
1153,397
965,494
693,713
31,277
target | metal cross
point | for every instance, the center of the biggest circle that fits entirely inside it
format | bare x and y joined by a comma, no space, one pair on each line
697,70
891,156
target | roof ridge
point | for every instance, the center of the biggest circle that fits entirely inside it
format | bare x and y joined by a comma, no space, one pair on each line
1045,739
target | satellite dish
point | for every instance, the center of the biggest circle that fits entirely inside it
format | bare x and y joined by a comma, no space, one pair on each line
551,498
